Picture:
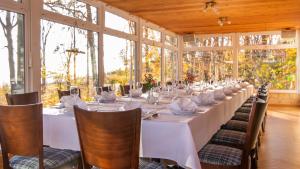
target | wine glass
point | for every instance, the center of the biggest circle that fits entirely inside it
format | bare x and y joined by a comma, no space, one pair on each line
113,88
139,85
156,94
97,92
74,91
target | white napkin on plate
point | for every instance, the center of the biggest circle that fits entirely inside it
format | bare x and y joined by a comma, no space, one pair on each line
197,100
244,84
131,106
205,99
183,106
107,97
136,92
236,88
70,101
219,94
228,91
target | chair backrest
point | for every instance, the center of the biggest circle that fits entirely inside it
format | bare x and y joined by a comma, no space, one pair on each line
169,83
109,140
22,99
21,131
106,88
62,93
125,89
255,121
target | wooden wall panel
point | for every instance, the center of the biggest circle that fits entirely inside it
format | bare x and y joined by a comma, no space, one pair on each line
285,99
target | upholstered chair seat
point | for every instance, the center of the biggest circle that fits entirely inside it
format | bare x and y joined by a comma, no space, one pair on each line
220,155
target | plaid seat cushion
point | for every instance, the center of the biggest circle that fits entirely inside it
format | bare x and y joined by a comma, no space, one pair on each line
236,125
244,109
249,101
247,105
145,164
53,158
241,117
220,155
229,136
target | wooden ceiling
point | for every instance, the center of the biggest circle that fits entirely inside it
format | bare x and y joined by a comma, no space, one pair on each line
187,16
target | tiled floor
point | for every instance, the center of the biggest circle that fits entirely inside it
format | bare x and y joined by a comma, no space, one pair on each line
280,148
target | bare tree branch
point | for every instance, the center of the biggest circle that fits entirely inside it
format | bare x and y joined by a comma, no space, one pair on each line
3,27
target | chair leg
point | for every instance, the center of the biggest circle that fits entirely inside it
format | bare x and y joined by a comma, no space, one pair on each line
258,140
254,159
79,164
263,125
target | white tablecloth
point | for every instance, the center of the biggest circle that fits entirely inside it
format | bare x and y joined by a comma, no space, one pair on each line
177,138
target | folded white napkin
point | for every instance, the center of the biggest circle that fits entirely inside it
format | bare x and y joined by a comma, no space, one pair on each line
131,106
136,92
236,88
181,86
205,99
183,106
189,91
244,84
228,91
219,94
107,97
70,101
197,100
211,98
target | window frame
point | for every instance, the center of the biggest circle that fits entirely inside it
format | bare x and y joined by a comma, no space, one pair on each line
22,8
236,47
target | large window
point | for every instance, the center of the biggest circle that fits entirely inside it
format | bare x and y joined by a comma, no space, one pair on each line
171,41
195,65
72,8
69,57
206,65
151,61
277,66
261,39
119,59
151,34
12,58
118,23
212,59
170,65
267,57
210,41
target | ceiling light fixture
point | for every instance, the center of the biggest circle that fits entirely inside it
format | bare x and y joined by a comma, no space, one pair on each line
211,5
223,20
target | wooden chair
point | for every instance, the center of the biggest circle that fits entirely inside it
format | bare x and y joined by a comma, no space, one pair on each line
62,93
22,99
110,140
226,156
125,90
21,136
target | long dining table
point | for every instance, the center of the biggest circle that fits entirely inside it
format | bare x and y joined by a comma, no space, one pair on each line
167,136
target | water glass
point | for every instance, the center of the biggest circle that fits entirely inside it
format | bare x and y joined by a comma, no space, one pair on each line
74,91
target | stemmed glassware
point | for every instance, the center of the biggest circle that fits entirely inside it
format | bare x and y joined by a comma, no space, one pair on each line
74,91
156,94
98,91
139,85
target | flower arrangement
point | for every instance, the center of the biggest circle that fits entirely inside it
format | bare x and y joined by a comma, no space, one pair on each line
149,81
190,78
